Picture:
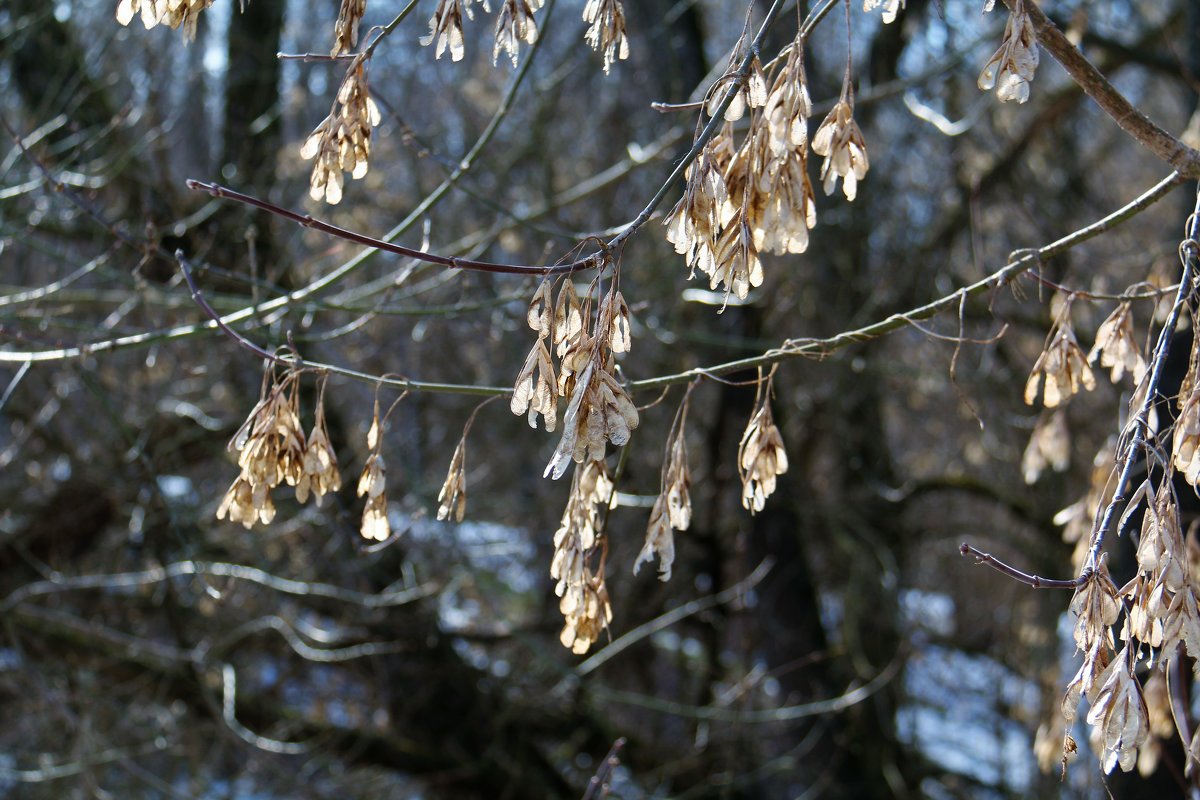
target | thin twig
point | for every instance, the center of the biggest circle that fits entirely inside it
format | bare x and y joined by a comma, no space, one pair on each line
762,716
668,619
792,348
600,780
595,260
125,581
1016,574
311,57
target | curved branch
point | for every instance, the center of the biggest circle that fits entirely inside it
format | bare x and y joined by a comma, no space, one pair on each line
1185,160
132,580
821,348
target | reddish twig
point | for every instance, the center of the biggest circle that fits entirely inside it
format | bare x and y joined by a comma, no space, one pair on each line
596,260
603,775
1016,574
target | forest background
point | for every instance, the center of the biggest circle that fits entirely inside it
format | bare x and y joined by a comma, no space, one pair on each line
833,644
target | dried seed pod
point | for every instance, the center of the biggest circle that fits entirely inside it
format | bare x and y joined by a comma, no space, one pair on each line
452,500
761,456
445,26
1049,446
515,24
607,32
1011,68
320,474
584,601
842,144
342,141
1116,347
1062,363
345,30
672,509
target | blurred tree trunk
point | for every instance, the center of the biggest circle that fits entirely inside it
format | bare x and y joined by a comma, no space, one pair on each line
251,136
50,71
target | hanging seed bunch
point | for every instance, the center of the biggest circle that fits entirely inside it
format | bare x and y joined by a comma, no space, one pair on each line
1117,348
599,411
1061,363
320,475
694,225
741,201
342,141
272,450
838,137
536,389
452,500
515,24
672,509
372,482
445,27
1010,70
606,33
751,90
789,211
175,14
1049,446
842,144
761,457
345,30
1159,604
579,539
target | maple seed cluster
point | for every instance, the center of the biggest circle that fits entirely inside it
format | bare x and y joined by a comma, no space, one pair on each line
445,27
583,595
272,450
841,142
607,32
515,24
1116,348
345,30
172,13
372,484
761,457
744,200
599,411
672,509
1062,364
1010,70
342,141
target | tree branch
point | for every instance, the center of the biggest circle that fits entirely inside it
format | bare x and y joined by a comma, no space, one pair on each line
1016,574
1183,159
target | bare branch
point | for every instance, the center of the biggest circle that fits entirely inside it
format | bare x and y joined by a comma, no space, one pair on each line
124,581
1183,159
1016,574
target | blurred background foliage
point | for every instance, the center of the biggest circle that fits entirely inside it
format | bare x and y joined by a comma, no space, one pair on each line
863,659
